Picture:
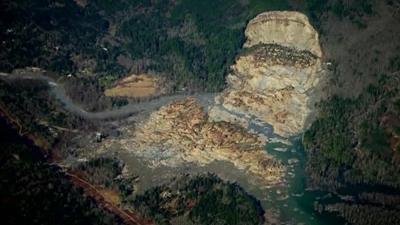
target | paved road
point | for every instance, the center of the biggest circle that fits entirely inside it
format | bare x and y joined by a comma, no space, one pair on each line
59,93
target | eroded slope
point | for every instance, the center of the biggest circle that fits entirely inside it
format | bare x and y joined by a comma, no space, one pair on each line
278,77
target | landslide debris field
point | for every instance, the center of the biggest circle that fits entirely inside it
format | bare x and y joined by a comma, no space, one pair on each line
201,112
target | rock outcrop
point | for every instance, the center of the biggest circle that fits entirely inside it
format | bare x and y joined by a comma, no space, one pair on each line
277,78
181,132
290,29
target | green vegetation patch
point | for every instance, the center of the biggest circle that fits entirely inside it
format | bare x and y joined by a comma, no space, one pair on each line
353,10
203,199
107,172
29,103
191,42
350,140
34,192
47,34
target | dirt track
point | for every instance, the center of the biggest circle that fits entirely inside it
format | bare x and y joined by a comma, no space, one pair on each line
59,93
127,216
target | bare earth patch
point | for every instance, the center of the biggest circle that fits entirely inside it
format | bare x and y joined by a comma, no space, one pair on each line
135,86
180,132
110,196
81,3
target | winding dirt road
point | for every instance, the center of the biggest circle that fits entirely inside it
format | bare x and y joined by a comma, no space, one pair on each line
57,90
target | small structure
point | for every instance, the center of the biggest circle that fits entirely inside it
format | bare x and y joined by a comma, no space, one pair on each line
99,137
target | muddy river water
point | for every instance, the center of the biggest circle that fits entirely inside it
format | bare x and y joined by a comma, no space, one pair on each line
290,204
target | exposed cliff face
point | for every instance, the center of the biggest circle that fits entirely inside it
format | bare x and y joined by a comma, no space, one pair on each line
291,29
277,79
274,81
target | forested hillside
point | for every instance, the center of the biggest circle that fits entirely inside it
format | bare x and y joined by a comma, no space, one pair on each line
28,104
353,146
357,140
191,42
34,192
202,199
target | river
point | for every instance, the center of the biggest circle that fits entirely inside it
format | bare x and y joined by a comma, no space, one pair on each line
298,207
294,203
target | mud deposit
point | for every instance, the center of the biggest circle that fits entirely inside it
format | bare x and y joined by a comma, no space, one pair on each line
288,204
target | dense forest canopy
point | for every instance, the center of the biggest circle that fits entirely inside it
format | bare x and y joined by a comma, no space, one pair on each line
34,192
353,143
203,199
192,42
